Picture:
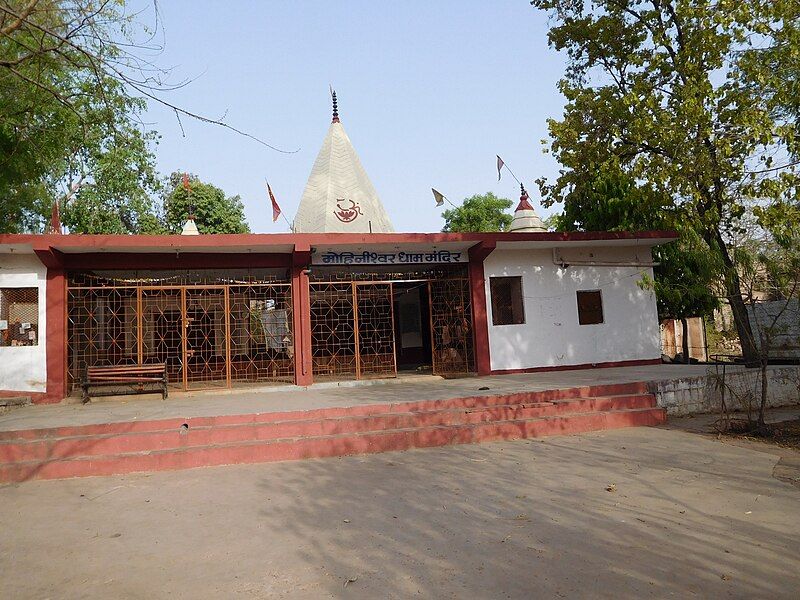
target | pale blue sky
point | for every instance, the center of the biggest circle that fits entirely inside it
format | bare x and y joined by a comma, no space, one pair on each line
428,92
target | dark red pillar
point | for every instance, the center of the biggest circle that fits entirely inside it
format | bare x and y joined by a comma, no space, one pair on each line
480,327
55,331
301,316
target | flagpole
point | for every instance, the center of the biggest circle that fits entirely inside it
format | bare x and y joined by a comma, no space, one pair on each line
505,164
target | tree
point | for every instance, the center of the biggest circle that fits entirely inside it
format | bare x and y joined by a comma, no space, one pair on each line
213,212
481,212
770,269
74,78
69,132
667,90
685,277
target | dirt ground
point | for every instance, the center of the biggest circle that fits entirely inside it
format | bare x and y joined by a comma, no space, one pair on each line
634,513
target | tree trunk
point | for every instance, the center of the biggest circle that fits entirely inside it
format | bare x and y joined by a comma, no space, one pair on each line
685,341
740,317
733,291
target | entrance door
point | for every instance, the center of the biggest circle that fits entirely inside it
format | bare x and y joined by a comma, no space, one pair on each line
451,326
206,339
412,326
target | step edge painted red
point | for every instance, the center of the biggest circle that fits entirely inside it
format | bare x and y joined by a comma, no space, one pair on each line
414,439
61,448
583,391
338,436
122,427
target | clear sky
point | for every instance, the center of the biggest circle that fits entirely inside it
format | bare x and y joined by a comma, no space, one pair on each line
429,92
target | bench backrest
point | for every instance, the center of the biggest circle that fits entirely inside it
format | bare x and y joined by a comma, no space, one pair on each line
151,369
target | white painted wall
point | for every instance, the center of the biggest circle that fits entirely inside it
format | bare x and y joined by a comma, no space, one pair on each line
24,368
551,334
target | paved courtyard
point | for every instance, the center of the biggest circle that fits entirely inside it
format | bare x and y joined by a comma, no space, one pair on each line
634,513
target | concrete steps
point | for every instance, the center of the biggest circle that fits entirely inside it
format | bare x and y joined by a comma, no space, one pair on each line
114,448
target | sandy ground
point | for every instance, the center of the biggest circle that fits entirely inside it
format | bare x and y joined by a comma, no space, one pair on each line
687,516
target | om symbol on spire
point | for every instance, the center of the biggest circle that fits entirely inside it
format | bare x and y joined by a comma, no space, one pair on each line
347,214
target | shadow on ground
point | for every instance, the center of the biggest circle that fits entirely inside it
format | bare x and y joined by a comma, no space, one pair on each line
686,516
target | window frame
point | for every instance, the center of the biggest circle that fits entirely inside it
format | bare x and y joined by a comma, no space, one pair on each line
8,337
601,307
495,315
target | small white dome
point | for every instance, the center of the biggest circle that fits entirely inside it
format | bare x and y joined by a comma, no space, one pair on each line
190,228
525,218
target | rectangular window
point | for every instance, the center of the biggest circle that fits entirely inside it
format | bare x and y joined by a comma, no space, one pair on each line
590,307
19,316
507,303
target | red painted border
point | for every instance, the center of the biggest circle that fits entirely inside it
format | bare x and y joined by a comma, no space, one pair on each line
194,260
601,365
259,241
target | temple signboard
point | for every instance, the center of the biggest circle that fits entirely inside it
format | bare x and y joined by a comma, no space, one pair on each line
428,256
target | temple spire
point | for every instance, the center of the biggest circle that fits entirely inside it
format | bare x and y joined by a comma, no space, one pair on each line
525,217
339,197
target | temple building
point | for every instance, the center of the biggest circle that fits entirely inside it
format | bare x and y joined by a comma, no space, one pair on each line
343,297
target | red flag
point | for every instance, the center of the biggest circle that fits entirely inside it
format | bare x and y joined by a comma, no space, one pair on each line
276,210
186,181
500,164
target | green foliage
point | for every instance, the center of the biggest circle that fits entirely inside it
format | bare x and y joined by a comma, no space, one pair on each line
69,130
213,211
680,97
481,212
612,201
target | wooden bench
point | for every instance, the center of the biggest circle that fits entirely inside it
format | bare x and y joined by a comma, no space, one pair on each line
136,376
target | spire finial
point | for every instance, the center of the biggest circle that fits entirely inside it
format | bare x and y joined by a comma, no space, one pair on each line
335,107
524,200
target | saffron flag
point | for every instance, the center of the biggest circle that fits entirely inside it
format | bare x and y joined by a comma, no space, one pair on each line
276,210
500,164
186,181
438,196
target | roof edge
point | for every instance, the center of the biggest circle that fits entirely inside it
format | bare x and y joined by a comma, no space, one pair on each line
104,242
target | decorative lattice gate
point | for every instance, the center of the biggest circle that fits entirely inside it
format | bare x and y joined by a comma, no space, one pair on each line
353,323
451,326
375,353
352,330
208,335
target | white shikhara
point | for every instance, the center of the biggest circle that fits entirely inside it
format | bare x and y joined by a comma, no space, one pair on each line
339,197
